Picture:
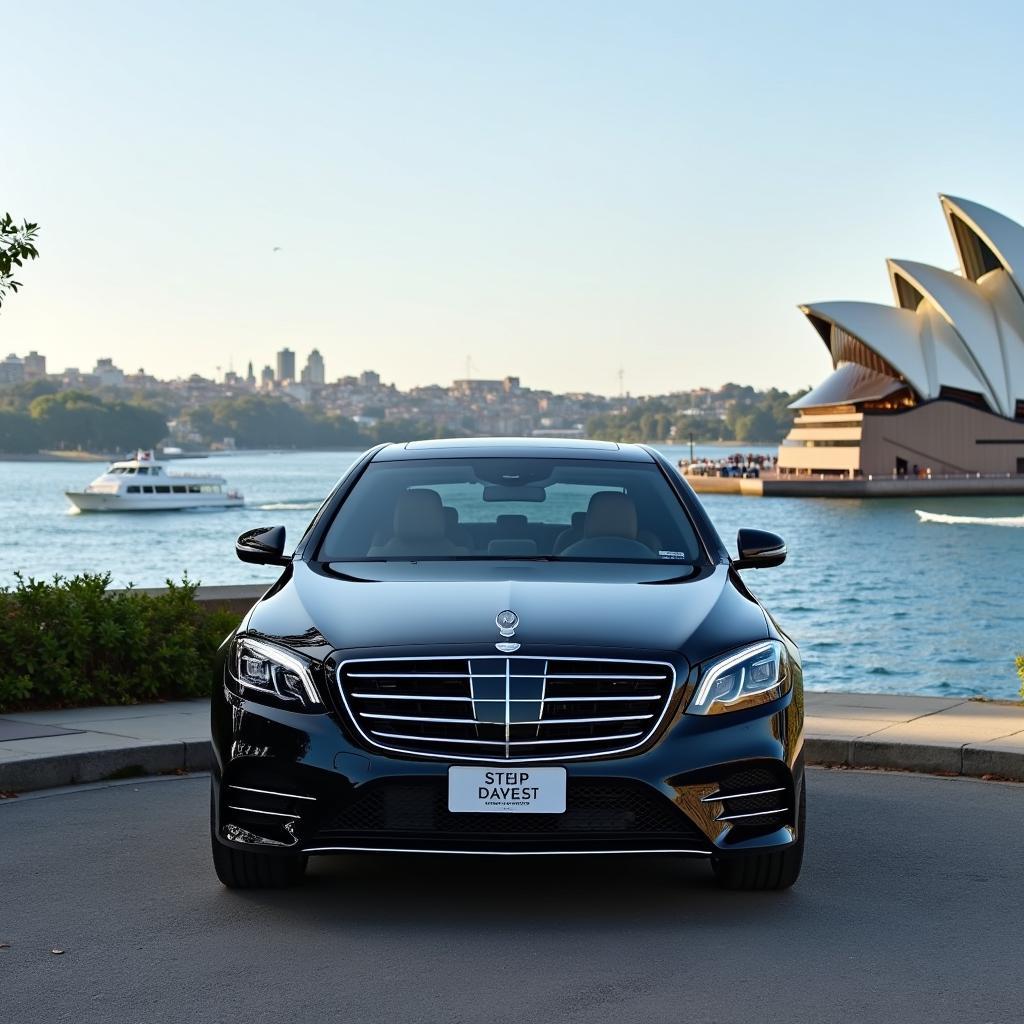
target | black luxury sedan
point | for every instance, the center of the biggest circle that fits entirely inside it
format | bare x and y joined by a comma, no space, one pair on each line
506,646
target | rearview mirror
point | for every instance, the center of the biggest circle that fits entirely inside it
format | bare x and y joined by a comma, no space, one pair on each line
262,546
758,549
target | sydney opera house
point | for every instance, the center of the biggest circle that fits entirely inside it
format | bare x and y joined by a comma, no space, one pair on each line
933,384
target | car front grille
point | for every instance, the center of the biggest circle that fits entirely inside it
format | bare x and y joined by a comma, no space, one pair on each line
506,709
408,807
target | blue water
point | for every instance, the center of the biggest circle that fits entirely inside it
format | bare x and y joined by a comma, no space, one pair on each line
877,600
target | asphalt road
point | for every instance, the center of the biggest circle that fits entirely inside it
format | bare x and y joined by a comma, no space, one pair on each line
910,908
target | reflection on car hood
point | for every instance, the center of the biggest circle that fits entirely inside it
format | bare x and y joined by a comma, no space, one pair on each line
699,617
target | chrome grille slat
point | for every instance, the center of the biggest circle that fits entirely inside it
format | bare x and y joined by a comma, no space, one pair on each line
499,675
409,696
436,739
524,700
752,814
497,708
525,721
273,792
265,814
714,797
504,743
417,675
419,718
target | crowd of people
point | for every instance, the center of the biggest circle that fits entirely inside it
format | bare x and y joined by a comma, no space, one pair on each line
737,465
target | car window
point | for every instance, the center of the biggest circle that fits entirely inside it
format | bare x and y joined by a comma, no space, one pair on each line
511,508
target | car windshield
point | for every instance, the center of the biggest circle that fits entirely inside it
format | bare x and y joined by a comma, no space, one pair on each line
511,508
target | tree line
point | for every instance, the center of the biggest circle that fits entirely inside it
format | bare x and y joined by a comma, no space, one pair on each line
751,416
35,417
255,421
76,420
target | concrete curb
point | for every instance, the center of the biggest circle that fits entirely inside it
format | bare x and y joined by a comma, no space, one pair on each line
962,759
49,771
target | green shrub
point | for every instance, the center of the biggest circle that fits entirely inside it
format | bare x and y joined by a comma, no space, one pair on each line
73,641
1020,672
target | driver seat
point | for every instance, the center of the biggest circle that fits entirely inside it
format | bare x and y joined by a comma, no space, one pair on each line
610,529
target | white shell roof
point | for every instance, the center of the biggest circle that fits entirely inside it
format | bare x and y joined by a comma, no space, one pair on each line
968,312
848,383
1003,236
889,331
961,332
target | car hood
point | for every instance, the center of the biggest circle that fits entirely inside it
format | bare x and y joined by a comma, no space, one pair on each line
699,616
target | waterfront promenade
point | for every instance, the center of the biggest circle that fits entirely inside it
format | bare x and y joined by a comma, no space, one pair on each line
44,749
820,485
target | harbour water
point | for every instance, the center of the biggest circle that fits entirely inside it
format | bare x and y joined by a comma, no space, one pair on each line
877,600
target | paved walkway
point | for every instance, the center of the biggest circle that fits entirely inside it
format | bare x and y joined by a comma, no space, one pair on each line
40,749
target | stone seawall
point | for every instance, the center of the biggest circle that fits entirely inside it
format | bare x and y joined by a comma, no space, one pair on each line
237,598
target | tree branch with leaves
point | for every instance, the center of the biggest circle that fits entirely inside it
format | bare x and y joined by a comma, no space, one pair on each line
17,244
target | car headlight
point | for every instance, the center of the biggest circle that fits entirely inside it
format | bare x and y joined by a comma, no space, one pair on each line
743,679
271,670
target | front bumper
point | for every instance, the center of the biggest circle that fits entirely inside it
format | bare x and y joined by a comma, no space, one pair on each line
302,783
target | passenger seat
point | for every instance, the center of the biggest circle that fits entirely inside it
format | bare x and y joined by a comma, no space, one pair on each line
572,534
419,528
454,530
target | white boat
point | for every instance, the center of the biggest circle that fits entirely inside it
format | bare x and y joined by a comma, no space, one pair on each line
143,484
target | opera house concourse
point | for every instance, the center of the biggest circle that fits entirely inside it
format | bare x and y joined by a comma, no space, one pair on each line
932,386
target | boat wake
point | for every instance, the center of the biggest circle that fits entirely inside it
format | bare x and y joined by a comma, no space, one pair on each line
288,506
941,517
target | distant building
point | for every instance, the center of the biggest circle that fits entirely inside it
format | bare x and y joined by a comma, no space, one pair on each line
298,392
250,377
12,370
140,379
107,374
314,369
477,388
35,366
285,365
267,376
369,379
933,384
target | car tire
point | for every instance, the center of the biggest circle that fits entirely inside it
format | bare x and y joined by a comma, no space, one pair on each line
764,871
248,869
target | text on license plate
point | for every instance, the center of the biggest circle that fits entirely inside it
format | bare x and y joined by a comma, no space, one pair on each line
506,790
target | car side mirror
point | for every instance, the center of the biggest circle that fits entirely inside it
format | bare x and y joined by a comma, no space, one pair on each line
262,546
758,549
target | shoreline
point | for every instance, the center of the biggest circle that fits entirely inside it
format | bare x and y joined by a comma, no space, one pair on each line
78,456
55,457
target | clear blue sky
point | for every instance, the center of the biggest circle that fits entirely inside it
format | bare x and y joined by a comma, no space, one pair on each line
553,189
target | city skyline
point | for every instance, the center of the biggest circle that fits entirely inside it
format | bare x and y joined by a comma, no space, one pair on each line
282,370
560,193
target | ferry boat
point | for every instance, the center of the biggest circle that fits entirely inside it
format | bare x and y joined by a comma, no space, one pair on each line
142,484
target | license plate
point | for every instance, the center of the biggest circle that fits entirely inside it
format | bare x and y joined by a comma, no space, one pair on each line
506,790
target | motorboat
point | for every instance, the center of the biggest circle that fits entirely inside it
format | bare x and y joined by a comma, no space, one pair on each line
143,484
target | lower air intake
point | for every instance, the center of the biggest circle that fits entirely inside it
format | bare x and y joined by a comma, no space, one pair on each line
417,807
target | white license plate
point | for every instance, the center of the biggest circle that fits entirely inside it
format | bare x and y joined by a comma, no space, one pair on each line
506,790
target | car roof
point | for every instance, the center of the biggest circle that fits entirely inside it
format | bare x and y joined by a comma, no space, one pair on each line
513,448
